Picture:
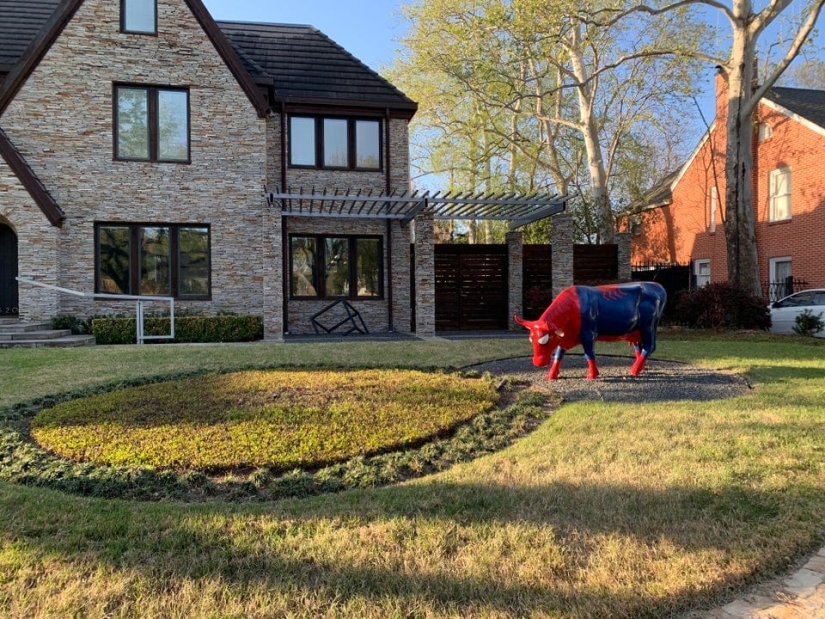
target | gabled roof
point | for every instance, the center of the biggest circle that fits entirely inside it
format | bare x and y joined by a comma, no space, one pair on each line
802,102
306,66
28,178
20,21
29,13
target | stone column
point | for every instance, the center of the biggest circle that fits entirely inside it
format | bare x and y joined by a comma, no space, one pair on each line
401,277
561,237
623,240
424,276
273,286
515,277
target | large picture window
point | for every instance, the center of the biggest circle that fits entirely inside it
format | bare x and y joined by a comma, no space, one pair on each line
328,267
138,16
336,143
151,123
156,260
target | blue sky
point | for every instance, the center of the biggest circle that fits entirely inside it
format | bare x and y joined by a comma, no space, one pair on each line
368,29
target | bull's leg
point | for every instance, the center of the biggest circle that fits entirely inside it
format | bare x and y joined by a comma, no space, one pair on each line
558,356
648,346
590,355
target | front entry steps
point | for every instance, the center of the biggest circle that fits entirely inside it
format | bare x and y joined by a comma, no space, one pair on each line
15,333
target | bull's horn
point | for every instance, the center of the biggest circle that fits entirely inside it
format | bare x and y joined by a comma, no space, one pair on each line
523,323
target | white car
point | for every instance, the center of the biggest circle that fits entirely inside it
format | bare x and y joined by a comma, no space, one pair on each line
785,311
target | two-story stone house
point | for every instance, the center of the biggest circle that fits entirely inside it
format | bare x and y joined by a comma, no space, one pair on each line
137,138
681,220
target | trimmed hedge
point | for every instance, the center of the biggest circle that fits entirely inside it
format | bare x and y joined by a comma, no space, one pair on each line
720,306
200,329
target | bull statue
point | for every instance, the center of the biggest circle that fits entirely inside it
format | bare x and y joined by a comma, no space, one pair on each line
584,314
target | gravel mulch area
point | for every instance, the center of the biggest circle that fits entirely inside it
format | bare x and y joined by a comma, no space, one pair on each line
660,381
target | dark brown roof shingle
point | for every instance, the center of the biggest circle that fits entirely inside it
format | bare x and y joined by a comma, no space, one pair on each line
306,66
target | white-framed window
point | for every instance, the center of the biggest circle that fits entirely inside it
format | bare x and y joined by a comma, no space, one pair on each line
780,194
701,271
714,204
764,131
781,274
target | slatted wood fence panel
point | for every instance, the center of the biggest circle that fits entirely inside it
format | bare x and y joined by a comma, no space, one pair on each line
595,264
470,287
537,279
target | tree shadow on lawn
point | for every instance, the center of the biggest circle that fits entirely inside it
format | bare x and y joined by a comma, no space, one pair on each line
276,545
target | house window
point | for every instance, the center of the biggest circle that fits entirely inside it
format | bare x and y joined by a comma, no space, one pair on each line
139,16
781,283
635,226
157,260
151,123
714,204
335,143
701,272
780,194
326,267
764,131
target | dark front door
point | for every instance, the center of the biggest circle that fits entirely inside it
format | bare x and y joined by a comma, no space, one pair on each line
8,271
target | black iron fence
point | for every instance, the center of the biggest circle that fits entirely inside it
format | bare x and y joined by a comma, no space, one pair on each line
773,291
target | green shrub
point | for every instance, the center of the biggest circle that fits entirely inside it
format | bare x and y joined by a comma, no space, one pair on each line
721,306
78,326
808,323
201,329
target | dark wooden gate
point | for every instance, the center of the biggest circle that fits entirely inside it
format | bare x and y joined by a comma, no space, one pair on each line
471,289
537,279
595,264
8,271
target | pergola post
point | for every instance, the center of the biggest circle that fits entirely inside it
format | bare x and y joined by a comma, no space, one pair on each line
515,253
623,240
561,237
424,275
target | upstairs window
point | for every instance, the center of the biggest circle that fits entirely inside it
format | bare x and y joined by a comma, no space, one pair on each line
714,204
347,267
764,131
780,194
151,123
335,143
139,16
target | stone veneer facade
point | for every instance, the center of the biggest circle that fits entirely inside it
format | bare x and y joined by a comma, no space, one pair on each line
61,121
376,313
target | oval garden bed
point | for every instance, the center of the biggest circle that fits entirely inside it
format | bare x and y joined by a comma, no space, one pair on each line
258,433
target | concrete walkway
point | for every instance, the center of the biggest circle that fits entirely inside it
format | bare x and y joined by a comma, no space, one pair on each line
800,595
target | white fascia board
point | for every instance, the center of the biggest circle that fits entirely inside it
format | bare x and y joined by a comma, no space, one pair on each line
802,121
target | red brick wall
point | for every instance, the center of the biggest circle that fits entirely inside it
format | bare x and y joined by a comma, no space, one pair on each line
680,231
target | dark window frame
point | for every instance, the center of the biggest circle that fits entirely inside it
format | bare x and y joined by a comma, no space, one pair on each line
352,256
123,28
174,256
352,155
152,120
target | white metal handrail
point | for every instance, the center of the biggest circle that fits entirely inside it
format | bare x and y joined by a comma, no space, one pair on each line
141,337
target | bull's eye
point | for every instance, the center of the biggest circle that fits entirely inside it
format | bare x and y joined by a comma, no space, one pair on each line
544,339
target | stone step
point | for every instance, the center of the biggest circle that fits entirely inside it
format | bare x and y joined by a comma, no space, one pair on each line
44,334
13,325
66,341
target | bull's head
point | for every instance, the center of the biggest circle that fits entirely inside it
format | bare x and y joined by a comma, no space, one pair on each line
544,338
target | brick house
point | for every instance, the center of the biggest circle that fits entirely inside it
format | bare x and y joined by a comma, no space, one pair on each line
681,220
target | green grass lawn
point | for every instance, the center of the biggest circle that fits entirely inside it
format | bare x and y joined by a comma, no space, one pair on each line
604,511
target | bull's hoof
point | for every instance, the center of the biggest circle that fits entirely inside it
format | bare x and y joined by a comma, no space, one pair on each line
592,375
553,374
638,367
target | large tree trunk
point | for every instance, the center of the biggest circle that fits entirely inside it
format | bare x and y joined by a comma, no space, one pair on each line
602,211
740,228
